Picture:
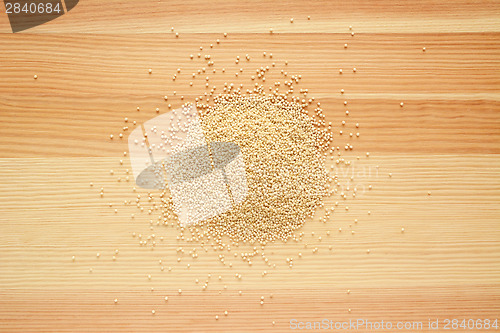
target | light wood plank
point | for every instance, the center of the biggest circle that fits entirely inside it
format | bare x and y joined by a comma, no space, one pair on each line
86,86
153,16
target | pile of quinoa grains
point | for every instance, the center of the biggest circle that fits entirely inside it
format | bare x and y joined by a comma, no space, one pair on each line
291,156
283,152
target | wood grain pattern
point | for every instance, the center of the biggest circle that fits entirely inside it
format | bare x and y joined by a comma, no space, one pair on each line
92,66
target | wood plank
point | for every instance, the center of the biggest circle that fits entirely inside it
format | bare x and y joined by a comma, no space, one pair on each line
86,86
152,16
53,217
91,311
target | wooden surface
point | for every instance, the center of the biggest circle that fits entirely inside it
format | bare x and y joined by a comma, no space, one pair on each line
92,66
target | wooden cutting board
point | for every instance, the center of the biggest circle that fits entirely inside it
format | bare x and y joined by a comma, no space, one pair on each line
432,169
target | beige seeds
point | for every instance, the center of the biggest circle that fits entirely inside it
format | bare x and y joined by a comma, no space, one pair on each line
269,160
